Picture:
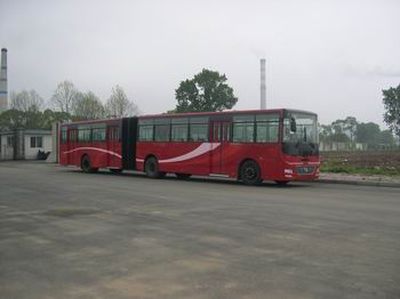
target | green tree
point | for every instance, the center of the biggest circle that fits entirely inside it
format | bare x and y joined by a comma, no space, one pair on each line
12,119
33,119
391,102
206,92
368,133
386,137
88,106
350,126
49,117
325,133
338,128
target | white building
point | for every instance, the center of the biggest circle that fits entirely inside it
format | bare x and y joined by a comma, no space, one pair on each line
24,144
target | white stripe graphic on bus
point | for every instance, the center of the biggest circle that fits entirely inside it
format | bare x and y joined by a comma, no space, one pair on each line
200,150
94,149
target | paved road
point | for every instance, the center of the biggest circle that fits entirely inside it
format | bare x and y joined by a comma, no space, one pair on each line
65,234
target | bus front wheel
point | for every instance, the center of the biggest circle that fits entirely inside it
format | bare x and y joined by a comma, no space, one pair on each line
86,166
151,168
250,173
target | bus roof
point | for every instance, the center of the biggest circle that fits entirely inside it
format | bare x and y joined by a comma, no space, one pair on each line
93,121
228,112
185,114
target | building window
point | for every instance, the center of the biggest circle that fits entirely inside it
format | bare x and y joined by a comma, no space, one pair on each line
36,141
10,140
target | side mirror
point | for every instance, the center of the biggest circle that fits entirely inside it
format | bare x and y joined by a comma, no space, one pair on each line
293,126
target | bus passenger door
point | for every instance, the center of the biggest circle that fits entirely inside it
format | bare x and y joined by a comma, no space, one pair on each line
220,136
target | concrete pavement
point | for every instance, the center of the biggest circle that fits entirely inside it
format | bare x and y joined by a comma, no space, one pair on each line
65,234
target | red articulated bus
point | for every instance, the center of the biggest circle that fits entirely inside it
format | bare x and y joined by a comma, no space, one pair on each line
279,145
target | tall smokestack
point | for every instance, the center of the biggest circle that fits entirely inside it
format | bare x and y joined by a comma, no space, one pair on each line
3,81
263,92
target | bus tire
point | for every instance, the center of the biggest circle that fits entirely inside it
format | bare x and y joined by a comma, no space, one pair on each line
250,173
86,166
183,176
151,168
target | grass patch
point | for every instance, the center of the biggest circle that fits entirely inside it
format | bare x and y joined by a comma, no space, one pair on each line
340,168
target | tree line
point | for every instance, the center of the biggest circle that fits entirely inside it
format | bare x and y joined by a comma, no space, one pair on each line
30,111
349,130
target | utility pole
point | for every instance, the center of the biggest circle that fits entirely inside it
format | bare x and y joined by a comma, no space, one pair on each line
263,85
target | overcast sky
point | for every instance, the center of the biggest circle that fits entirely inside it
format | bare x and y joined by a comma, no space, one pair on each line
330,57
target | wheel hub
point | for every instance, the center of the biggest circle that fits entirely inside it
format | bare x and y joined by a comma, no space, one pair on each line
250,173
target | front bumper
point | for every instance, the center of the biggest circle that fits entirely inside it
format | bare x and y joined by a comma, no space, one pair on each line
301,171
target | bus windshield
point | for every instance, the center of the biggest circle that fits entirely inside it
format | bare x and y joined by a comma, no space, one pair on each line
300,134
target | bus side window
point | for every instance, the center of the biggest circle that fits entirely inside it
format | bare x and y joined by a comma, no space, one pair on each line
267,127
84,134
116,136
73,135
161,129
243,128
63,135
198,130
179,129
161,133
99,134
146,130
113,133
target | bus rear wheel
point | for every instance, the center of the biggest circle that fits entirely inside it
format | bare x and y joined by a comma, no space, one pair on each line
250,173
86,166
183,176
151,168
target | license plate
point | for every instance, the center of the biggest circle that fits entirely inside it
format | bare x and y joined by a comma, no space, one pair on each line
305,170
